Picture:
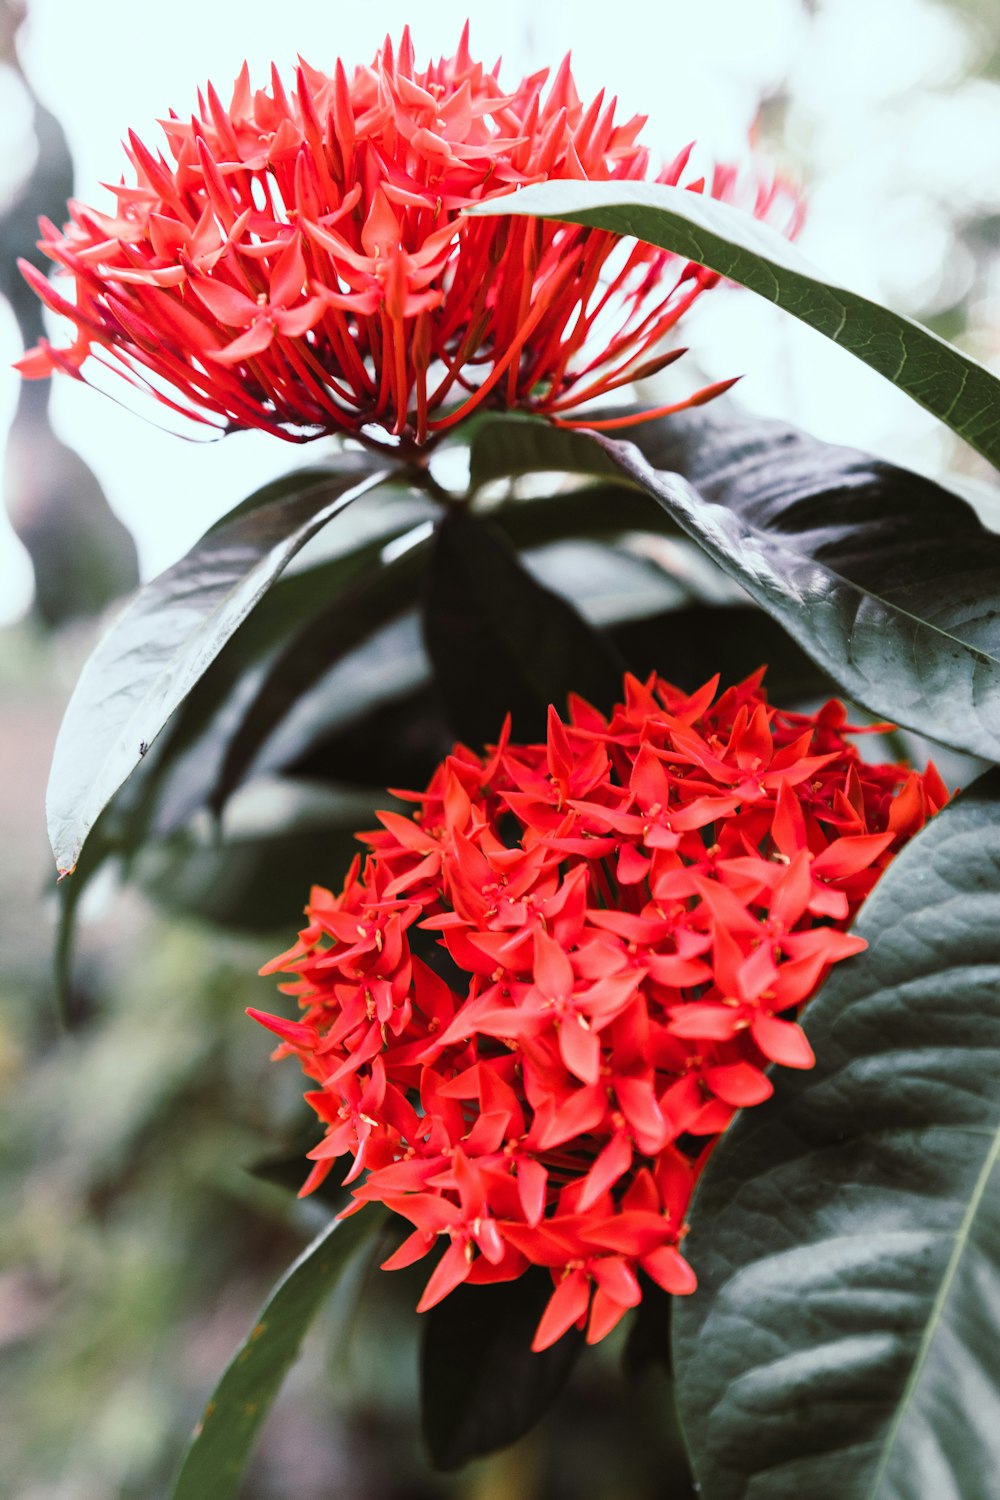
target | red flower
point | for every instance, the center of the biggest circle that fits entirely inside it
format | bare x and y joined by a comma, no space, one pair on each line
300,263
636,911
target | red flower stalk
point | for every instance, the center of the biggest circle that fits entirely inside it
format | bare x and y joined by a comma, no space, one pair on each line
628,920
300,262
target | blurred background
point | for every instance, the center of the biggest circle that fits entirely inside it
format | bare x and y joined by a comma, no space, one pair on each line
135,1245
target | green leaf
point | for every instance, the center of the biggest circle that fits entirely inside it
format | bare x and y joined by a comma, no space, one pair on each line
603,512
648,1342
506,445
950,384
501,642
845,1335
223,1440
319,618
164,640
889,583
689,645
380,590
253,873
68,894
481,1387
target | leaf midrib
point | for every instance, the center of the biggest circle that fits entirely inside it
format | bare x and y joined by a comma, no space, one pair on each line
937,1311
751,252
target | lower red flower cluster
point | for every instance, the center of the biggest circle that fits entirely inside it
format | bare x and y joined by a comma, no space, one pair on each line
620,928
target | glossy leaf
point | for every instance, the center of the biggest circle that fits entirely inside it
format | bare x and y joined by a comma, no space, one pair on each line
189,753
481,1387
510,444
501,642
845,1336
223,1440
889,583
949,383
166,637
380,590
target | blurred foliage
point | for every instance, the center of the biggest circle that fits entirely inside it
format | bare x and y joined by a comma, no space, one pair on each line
81,554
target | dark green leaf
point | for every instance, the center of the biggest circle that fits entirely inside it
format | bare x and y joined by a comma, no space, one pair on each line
689,645
607,582
253,873
506,445
601,511
68,895
648,1341
301,628
198,735
381,670
114,837
500,642
214,1463
396,742
845,1336
164,640
889,583
955,387
381,590
481,1387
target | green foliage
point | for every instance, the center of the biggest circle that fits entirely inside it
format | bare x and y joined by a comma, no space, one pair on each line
843,1339
481,1386
223,1440
887,581
488,622
169,634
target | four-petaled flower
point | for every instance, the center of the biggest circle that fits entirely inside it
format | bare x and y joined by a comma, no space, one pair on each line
301,263
629,919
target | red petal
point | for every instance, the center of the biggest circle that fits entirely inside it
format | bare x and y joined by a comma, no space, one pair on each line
611,1164
740,1084
225,302
450,1271
413,1248
289,275
615,1278
566,1306
552,969
783,1042
292,1032
670,1270
580,1049
257,338
532,1182
605,1314
632,866
296,321
849,856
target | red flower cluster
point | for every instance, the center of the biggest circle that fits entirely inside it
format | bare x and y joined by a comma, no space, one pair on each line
630,916
301,264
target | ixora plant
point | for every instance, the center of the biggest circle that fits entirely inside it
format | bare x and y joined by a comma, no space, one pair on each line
533,1005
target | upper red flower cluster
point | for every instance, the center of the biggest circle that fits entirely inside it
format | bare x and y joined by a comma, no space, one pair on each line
630,917
301,265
